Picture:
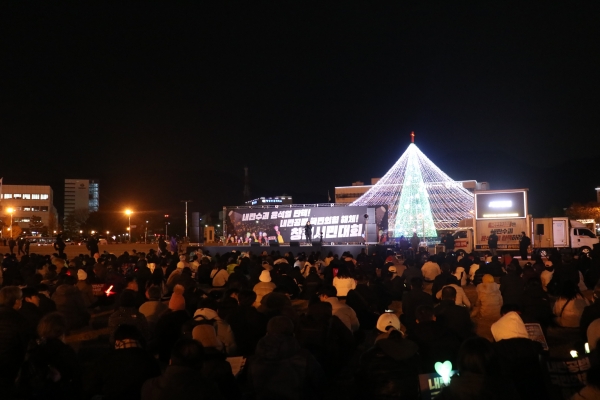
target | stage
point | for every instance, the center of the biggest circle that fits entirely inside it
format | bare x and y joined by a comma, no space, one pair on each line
338,249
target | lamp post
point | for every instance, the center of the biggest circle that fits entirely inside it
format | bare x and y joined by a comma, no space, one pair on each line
11,211
128,213
186,216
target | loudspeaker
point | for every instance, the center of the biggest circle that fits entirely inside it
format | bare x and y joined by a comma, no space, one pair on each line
254,244
273,243
539,229
294,244
371,233
195,233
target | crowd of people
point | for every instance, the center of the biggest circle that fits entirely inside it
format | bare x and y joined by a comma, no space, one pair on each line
306,325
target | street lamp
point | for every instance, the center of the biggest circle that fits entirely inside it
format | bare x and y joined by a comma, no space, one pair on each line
10,211
128,213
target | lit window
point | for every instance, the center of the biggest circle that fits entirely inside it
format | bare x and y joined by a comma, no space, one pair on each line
17,195
35,208
26,208
35,196
26,196
44,197
44,208
8,196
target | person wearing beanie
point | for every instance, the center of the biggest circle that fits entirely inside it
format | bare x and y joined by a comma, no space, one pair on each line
390,369
177,301
489,299
281,369
87,293
264,287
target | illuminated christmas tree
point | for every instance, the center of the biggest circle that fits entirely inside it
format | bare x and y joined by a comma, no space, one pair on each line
420,197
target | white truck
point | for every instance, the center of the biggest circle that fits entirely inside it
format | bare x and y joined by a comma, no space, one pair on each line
561,233
545,233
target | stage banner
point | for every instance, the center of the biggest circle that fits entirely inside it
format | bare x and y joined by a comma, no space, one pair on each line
508,232
284,225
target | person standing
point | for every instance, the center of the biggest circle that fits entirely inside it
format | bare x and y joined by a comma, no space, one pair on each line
20,245
449,243
493,243
92,246
59,245
414,243
524,243
11,245
308,232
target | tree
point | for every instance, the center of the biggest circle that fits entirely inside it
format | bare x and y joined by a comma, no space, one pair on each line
589,210
70,225
81,216
52,223
36,225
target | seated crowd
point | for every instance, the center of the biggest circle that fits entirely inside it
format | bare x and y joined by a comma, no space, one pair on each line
305,325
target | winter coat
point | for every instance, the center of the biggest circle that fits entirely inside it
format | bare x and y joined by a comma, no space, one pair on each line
87,294
344,285
262,289
470,386
128,316
15,334
106,376
390,369
181,383
511,288
489,300
345,313
215,368
410,301
281,369
248,326
455,318
568,312
70,304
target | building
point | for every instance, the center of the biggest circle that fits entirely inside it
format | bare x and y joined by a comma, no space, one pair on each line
81,194
28,201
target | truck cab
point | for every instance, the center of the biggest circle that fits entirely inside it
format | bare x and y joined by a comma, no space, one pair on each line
463,240
562,233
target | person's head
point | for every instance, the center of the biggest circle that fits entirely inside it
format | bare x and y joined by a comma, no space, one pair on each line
343,272
449,293
326,292
445,267
128,299
131,283
246,297
494,258
416,283
280,325
81,275
187,353
424,313
476,355
31,295
487,278
52,326
569,290
11,297
153,293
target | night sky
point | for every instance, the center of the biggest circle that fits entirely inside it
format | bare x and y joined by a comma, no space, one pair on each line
166,102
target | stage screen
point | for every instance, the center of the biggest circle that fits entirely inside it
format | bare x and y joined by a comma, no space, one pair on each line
284,225
501,205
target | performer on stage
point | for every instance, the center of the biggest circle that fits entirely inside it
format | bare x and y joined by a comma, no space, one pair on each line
308,232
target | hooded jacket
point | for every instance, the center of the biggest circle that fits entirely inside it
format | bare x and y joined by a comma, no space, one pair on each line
390,369
282,369
489,300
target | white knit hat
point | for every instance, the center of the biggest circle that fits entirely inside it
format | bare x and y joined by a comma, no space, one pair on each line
265,276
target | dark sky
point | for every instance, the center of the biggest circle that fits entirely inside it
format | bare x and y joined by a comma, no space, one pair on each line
165,102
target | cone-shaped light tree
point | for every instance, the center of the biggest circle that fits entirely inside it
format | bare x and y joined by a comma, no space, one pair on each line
420,197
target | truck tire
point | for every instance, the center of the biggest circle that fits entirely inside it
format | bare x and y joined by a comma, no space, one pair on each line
584,250
461,252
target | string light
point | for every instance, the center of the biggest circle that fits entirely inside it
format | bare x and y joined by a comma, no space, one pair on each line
420,197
